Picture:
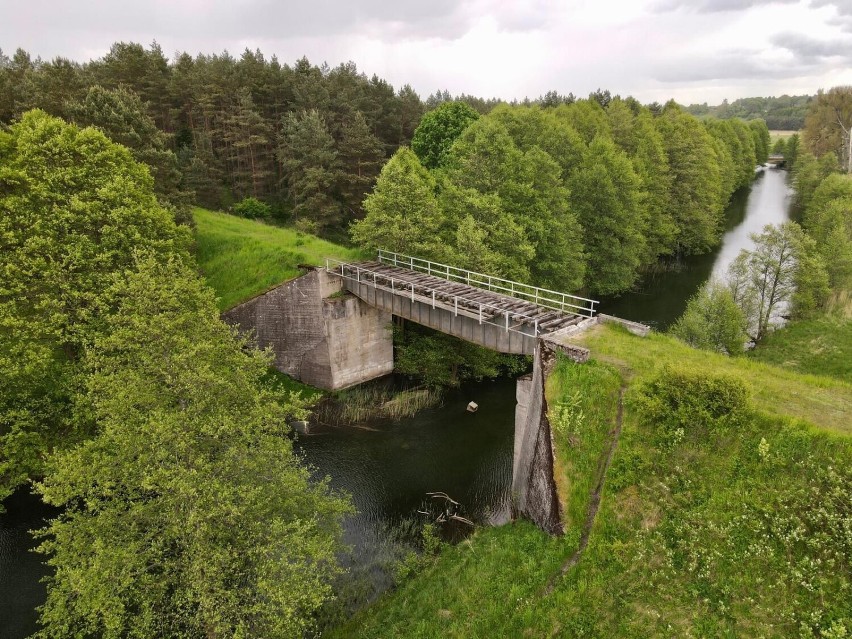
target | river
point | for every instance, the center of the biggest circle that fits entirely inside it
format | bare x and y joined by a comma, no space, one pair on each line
661,298
388,467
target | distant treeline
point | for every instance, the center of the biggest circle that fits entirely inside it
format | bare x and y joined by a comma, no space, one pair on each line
784,113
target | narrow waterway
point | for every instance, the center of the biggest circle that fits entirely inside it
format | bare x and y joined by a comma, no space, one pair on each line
661,297
389,466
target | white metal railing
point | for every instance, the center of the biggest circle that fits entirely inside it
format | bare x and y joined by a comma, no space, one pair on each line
483,311
547,298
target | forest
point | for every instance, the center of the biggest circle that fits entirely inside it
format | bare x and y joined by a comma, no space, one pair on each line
782,113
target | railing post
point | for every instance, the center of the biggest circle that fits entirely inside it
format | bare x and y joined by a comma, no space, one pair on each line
448,272
433,299
456,304
358,275
412,293
394,259
507,321
411,259
535,325
480,313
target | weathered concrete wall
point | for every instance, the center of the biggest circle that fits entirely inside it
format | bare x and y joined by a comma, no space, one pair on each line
534,489
463,324
328,342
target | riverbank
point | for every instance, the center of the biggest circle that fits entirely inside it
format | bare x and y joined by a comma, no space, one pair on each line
690,537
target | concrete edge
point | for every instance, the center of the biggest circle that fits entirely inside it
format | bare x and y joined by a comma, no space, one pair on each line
634,327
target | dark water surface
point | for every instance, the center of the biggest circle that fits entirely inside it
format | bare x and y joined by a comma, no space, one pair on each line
661,298
21,569
389,466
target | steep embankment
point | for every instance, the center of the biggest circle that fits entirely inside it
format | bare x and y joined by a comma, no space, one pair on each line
242,258
717,518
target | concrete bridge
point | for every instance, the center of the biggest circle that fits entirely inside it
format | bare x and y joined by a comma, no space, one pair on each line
331,328
777,160
493,312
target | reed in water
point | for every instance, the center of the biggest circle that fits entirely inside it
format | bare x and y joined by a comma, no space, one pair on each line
365,403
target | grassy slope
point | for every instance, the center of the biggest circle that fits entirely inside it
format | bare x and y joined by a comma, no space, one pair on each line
820,347
242,258
723,534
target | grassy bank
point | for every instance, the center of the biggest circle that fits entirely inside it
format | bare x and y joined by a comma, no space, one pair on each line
242,258
819,347
709,526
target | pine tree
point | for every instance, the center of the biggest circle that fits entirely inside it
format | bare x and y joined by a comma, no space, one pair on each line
311,168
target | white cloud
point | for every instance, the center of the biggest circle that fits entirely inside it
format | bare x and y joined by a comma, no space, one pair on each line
692,50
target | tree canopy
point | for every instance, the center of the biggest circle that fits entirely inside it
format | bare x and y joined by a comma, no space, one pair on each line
75,209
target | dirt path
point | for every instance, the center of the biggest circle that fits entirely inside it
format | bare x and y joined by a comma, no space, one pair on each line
594,498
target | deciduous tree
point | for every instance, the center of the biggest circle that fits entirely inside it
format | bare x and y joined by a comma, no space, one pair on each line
187,515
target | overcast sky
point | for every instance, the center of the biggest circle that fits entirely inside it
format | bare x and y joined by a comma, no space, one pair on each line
691,50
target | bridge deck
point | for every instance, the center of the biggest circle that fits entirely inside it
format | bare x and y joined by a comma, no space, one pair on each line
460,298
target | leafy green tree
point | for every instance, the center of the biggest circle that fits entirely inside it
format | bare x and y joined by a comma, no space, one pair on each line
652,166
311,166
760,134
75,207
828,220
439,129
713,321
187,515
487,238
531,191
808,173
605,193
828,125
120,114
696,195
527,126
749,154
402,212
783,274
791,149
587,117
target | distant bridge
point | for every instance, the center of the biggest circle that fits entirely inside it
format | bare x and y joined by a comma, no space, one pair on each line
493,312
777,160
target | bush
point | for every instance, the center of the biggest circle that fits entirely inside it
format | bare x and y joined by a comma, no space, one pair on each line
679,401
251,208
712,321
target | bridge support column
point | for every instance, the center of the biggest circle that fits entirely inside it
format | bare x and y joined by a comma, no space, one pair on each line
319,334
534,491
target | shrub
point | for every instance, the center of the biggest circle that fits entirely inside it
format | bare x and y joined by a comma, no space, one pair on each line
713,321
679,401
251,208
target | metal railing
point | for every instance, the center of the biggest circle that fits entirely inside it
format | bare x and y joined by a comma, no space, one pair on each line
483,311
547,298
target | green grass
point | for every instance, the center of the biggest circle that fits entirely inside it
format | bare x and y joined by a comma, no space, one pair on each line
242,258
822,401
819,347
724,531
